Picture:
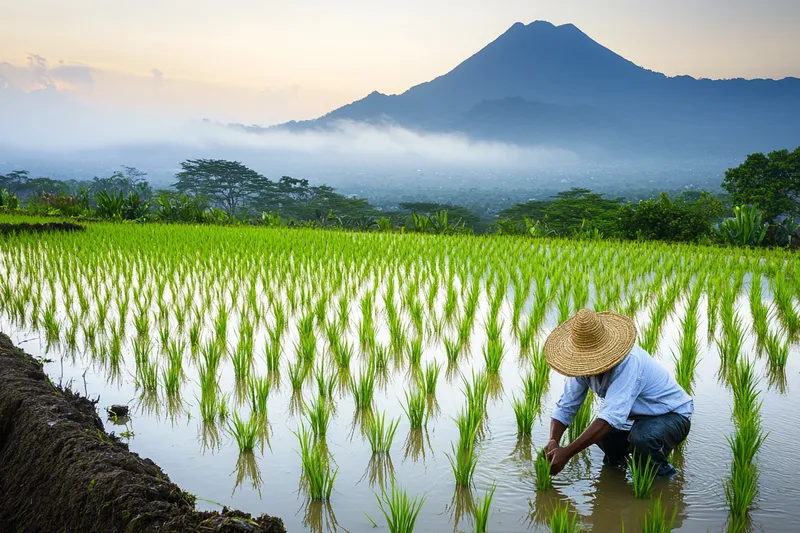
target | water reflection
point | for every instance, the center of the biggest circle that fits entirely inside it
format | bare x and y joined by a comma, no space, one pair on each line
318,517
247,469
379,470
414,446
614,502
461,504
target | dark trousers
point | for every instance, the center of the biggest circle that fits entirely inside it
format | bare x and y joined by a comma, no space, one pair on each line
650,436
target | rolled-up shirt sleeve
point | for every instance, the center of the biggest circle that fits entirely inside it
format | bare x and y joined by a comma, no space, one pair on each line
622,393
575,390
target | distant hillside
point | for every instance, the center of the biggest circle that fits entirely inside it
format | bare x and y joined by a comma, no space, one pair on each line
554,85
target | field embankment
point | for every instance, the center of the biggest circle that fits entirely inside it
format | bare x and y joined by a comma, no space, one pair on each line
38,227
61,472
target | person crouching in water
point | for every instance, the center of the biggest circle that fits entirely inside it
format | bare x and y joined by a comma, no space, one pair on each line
645,412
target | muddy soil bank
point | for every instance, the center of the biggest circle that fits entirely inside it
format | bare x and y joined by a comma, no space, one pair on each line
25,227
61,472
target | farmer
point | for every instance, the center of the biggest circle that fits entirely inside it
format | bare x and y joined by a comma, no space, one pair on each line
644,412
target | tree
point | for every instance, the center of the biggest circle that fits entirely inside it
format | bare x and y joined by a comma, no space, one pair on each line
769,182
227,184
664,219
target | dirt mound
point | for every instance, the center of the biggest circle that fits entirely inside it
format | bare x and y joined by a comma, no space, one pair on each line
61,472
39,227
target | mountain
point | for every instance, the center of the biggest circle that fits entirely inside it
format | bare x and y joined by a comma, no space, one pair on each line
554,85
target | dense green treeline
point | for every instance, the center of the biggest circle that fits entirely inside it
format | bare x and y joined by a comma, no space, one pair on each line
766,189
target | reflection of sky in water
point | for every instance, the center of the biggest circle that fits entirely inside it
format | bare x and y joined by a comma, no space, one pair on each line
602,497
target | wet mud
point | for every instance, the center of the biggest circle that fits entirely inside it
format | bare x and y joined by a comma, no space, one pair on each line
61,472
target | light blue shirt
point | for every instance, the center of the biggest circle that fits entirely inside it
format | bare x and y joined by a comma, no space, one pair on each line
638,386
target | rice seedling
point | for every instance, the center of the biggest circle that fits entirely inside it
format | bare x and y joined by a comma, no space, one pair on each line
415,408
493,356
297,374
245,433
342,355
259,395
316,465
525,415
777,351
562,521
272,355
325,383
430,377
463,459
399,510
481,508
380,434
452,349
363,389
414,351
643,474
541,467
52,326
656,519
318,415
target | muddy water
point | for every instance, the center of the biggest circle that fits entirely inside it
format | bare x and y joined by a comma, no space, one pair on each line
602,497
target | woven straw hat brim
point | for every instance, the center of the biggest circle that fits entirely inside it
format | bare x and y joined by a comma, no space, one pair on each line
572,360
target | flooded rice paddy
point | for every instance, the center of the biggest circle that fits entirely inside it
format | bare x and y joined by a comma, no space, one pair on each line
138,315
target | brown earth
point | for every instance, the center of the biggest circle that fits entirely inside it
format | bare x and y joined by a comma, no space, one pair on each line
38,227
61,472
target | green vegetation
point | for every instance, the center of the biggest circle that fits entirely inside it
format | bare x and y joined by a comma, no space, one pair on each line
380,434
399,510
541,466
480,510
562,521
643,474
656,519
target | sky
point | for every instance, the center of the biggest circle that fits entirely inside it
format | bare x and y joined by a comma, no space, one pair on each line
267,61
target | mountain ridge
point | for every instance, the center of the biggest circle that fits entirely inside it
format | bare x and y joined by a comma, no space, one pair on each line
536,78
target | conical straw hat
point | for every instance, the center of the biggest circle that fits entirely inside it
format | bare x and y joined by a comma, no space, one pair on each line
589,343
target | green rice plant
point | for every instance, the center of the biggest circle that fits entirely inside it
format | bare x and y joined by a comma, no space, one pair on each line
562,303
493,356
379,357
242,359
325,383
221,324
463,459
171,377
316,465
399,510
452,349
363,389
342,354
777,351
414,351
245,433
525,414
744,385
643,474
297,374
415,408
194,336
542,469
272,355
688,348
656,519
481,508
259,395
582,418
212,355
318,414
52,326
380,434
430,377
562,521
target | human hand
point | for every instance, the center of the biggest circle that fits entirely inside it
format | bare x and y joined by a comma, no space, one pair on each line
552,444
558,459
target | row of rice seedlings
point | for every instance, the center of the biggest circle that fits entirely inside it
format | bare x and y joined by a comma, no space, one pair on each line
759,311
785,304
688,346
415,408
741,488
